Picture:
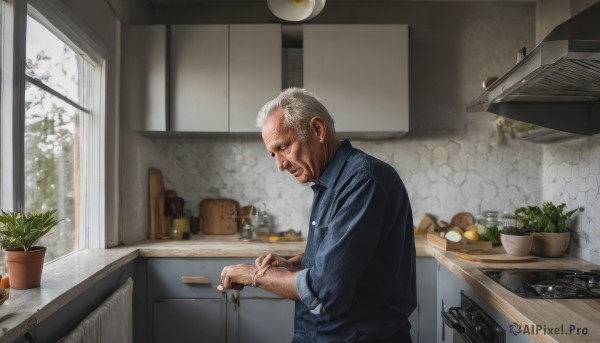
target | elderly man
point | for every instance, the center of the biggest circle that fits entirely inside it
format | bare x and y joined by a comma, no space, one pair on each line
356,278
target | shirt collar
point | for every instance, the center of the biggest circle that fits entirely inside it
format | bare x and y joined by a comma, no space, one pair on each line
334,166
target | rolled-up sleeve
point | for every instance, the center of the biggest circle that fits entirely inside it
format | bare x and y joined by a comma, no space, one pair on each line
306,294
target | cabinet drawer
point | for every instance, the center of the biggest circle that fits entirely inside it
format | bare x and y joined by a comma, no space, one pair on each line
164,277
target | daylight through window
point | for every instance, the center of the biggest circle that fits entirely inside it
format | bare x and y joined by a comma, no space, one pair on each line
55,111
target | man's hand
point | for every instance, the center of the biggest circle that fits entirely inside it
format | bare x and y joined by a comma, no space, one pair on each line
236,277
292,264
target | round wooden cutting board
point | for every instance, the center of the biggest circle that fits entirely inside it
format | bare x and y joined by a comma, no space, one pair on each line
487,256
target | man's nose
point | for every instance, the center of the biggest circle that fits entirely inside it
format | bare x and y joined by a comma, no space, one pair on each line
281,163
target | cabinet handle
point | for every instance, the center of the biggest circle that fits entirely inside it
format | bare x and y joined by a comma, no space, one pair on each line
196,280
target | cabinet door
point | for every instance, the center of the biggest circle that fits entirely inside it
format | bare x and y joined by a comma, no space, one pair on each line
254,72
143,86
360,72
199,78
448,295
189,320
425,315
266,320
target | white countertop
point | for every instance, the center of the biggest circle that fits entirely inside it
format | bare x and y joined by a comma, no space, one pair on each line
66,278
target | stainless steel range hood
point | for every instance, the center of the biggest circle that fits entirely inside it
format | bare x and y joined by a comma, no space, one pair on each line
557,85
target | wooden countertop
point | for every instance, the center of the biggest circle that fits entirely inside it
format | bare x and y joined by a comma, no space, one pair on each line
218,246
64,279
552,313
231,246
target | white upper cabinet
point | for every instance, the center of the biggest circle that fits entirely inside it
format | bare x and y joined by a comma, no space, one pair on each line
254,72
215,78
221,75
360,72
199,78
143,86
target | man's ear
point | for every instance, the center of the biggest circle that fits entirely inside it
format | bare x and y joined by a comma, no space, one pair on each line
317,128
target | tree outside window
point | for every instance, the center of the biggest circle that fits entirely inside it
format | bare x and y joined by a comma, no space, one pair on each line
53,114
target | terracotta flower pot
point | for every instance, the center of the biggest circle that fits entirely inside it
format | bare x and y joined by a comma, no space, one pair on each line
550,244
25,267
516,245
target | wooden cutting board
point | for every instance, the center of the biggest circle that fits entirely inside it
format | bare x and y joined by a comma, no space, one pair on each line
487,256
219,216
444,244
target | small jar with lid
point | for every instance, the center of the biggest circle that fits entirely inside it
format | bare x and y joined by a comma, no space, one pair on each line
507,219
489,218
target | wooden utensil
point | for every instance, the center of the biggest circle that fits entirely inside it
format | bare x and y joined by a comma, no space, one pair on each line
156,190
170,205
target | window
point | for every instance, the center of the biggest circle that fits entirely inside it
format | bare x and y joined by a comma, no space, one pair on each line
55,90
56,128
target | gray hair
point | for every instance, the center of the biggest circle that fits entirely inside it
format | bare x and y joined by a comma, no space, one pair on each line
299,106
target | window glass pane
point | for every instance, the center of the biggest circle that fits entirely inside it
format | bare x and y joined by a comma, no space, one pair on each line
51,166
52,136
51,61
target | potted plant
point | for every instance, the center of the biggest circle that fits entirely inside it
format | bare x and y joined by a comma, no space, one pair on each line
548,225
18,234
515,241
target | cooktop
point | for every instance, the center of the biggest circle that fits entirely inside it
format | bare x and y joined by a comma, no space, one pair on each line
548,283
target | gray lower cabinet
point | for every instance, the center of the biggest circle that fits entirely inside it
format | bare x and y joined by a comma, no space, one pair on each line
424,316
189,320
196,312
260,319
448,295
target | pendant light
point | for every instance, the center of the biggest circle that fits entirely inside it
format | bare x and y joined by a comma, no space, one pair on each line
296,10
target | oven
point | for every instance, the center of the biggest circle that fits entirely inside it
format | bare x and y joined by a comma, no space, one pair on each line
470,323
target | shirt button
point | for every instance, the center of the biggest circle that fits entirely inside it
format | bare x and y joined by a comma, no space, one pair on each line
314,223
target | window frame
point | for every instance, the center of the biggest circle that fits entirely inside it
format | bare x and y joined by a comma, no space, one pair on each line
68,27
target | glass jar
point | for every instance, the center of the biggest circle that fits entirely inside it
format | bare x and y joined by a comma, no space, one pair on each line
489,218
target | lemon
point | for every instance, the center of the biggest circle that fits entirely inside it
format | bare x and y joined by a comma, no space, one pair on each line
473,227
471,235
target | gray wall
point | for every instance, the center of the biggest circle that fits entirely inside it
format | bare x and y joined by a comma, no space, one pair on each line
450,161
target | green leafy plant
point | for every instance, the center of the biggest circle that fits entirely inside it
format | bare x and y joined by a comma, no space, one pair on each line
22,230
491,233
548,218
513,230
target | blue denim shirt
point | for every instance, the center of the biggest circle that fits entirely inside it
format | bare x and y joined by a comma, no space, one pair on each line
358,276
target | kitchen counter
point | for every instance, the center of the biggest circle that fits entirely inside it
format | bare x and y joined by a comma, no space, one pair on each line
583,313
230,246
64,279
218,246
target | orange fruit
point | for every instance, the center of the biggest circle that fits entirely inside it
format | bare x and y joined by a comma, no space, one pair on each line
4,282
